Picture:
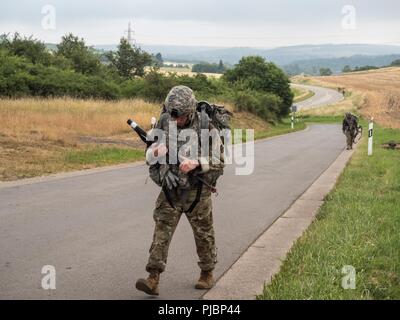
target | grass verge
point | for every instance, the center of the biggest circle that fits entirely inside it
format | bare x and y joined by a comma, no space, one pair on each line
358,225
304,96
282,127
99,156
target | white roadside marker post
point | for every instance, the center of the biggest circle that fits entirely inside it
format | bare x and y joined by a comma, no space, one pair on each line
294,109
370,136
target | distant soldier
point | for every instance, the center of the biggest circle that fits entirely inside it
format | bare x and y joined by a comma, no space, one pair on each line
350,129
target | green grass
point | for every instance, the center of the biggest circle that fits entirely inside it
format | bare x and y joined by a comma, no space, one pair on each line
282,127
103,156
307,96
304,97
320,119
301,94
358,225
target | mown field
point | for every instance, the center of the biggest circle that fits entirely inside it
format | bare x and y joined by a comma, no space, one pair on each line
379,88
188,71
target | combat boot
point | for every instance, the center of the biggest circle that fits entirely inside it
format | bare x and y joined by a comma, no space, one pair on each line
149,285
206,280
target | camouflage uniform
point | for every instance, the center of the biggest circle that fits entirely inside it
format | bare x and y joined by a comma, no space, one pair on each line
166,219
168,210
349,128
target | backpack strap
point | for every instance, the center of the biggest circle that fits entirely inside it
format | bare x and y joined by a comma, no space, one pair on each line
197,199
204,118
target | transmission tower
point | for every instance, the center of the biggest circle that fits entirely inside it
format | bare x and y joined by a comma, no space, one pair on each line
130,33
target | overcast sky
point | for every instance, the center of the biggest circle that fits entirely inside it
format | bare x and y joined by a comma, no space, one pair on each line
226,23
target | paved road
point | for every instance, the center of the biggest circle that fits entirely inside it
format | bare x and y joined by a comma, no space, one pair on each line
96,229
322,96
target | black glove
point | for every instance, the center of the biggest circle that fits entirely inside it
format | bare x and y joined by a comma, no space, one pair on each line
171,180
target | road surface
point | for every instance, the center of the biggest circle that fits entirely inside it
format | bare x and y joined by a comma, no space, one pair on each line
322,96
96,229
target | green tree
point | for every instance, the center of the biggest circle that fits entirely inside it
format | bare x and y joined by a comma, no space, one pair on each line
221,67
83,59
130,61
159,58
347,68
325,72
256,74
33,50
395,63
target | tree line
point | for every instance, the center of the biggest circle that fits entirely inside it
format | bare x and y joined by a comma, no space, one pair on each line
29,68
209,67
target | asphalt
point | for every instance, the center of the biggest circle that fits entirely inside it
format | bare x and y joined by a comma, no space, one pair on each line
96,228
321,97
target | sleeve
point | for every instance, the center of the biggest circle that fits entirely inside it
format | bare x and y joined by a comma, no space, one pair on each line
213,165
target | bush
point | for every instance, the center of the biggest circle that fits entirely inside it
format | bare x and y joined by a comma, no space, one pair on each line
255,74
19,77
154,86
265,105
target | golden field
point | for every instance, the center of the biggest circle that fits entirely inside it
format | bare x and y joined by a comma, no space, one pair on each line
380,90
41,136
38,135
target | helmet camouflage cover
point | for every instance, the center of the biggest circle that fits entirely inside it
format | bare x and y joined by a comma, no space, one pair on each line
180,100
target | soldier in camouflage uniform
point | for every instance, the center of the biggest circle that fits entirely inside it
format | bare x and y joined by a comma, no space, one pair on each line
350,129
181,193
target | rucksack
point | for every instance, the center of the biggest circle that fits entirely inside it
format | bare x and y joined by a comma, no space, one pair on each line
219,116
352,122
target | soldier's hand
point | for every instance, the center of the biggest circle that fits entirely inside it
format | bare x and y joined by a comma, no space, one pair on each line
188,165
171,180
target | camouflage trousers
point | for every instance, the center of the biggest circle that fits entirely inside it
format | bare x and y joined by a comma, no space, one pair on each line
349,138
166,219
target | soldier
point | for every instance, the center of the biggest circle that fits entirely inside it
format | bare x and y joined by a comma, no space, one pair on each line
181,193
350,129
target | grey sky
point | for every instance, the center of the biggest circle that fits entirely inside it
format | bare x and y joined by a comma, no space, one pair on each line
253,23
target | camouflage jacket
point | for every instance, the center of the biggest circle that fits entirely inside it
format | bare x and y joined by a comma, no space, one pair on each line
212,163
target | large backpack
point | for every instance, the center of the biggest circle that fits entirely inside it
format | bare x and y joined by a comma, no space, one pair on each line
352,123
217,115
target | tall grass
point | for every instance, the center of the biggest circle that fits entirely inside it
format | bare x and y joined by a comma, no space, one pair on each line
66,118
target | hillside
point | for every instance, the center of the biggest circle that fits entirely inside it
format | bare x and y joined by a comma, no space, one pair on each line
380,88
280,55
312,66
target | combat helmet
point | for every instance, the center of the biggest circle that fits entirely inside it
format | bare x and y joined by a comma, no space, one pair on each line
180,101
